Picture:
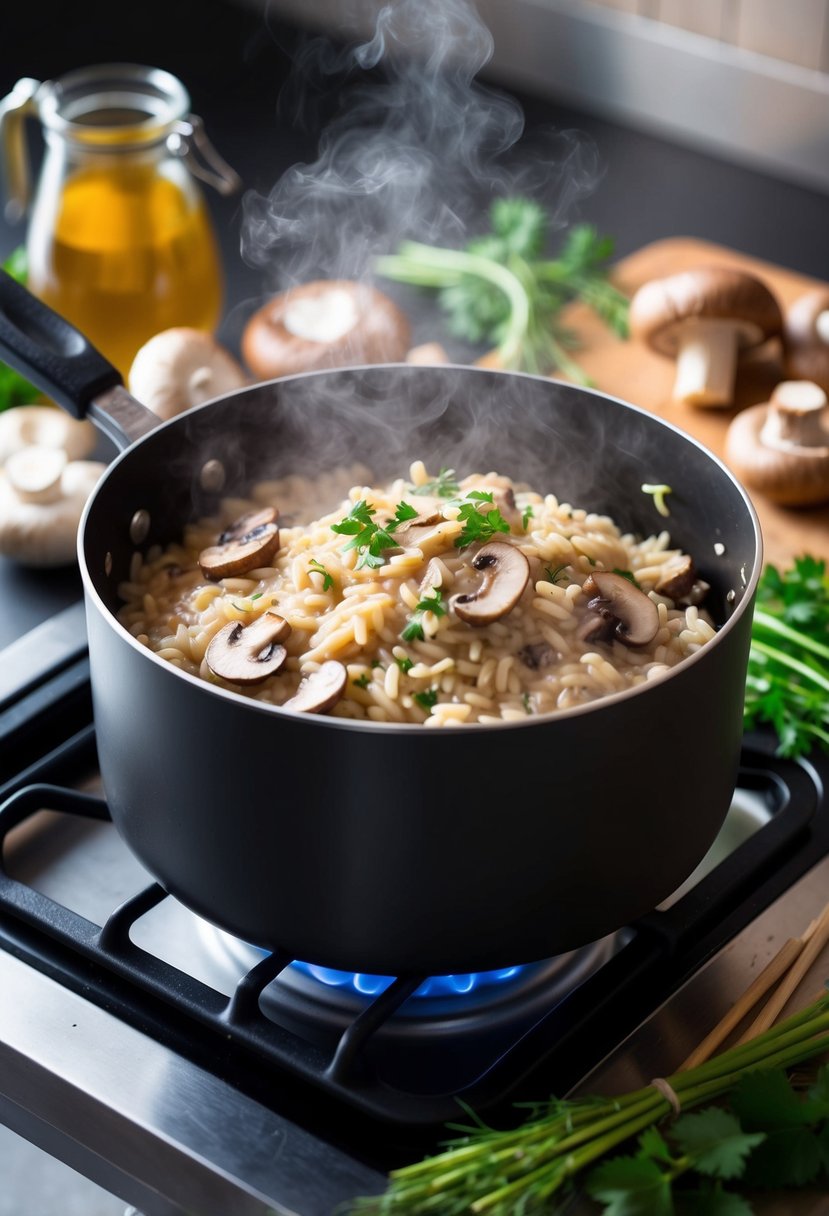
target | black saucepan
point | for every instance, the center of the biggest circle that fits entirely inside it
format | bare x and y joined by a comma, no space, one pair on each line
386,848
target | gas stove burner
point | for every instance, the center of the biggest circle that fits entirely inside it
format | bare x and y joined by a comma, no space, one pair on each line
323,996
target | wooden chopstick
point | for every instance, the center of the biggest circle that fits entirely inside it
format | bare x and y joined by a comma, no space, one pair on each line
814,943
790,964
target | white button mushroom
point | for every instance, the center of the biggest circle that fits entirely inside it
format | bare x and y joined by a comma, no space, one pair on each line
181,368
42,497
47,427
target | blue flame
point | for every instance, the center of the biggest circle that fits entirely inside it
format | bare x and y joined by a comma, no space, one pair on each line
437,985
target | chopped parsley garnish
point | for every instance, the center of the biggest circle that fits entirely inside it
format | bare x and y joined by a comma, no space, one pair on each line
426,699
525,701
375,663
405,664
256,596
317,567
362,681
658,493
368,537
427,603
554,575
477,524
444,485
526,516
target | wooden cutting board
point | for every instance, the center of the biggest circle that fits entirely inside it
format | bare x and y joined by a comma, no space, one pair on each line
630,371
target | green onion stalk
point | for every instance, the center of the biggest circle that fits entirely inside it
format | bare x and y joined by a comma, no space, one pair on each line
527,1169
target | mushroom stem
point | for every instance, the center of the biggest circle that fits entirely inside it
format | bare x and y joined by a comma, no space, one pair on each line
707,361
794,416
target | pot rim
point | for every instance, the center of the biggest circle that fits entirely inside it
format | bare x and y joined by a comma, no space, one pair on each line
322,721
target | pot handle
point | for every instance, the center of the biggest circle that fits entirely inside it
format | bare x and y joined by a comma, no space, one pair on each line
58,359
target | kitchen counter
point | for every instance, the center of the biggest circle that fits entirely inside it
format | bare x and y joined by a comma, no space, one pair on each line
234,62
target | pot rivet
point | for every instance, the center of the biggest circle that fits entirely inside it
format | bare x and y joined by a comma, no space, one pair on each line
731,597
719,548
139,526
108,565
212,478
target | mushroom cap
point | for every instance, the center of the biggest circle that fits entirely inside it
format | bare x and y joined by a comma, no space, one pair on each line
44,534
788,473
251,541
248,654
806,340
371,329
321,690
660,308
506,572
615,598
44,426
180,368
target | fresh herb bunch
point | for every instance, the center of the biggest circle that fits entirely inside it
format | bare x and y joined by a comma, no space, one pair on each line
770,1136
788,671
502,290
370,539
14,390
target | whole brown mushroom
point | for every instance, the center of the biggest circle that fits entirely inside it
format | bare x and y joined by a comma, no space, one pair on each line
703,318
806,338
327,323
781,448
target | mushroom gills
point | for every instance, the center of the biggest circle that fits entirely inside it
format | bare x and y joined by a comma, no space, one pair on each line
618,609
248,654
506,573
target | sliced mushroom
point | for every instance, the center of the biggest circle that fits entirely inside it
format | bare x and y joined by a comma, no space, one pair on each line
321,690
677,579
248,543
248,654
679,582
614,599
506,572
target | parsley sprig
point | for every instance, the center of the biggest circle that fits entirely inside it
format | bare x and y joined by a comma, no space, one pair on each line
502,289
772,1135
788,672
432,602
370,539
478,524
443,486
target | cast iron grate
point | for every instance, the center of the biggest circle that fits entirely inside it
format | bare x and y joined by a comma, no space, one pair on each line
360,1064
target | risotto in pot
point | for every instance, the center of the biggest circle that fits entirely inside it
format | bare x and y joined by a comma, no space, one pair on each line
430,600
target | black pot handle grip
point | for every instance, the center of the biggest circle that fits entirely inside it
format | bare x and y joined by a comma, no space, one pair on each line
50,352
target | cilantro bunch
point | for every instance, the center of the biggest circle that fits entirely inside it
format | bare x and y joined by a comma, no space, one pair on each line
14,390
770,1134
788,673
503,290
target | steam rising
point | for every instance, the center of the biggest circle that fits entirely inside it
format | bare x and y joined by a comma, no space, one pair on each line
418,149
